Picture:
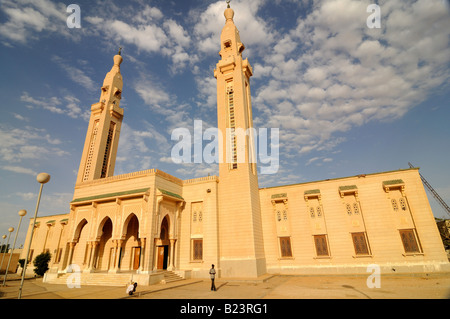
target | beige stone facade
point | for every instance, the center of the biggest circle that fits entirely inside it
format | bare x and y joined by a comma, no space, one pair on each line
148,221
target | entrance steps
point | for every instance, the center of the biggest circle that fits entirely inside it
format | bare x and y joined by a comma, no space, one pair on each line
170,276
107,279
94,279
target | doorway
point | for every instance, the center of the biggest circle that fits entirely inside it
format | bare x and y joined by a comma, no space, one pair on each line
163,254
136,257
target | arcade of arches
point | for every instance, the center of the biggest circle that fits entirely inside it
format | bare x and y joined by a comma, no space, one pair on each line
107,253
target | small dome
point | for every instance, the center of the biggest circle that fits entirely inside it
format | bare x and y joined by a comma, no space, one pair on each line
229,14
118,59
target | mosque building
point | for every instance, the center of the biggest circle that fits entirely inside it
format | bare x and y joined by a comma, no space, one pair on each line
147,225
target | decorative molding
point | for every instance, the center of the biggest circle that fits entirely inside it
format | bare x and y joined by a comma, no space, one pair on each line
312,193
349,190
394,184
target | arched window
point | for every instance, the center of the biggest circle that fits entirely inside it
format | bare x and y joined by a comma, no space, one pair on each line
402,203
356,208
349,209
394,204
319,211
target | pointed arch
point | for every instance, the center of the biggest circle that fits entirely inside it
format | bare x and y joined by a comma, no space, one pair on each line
131,246
80,238
100,230
78,229
164,231
130,218
105,244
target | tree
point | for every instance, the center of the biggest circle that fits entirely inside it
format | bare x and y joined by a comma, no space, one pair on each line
41,263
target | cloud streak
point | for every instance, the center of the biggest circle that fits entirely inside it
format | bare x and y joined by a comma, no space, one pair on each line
332,73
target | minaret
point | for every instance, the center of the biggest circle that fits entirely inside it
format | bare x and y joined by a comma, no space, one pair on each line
240,227
102,138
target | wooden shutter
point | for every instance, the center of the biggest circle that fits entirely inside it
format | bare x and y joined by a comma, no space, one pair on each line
409,241
285,243
359,241
198,249
321,245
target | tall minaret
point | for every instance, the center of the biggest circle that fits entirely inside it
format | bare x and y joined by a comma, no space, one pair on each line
240,228
102,138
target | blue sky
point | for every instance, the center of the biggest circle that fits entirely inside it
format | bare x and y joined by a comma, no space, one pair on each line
347,99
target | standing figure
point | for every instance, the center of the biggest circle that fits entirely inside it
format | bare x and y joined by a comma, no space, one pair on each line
212,273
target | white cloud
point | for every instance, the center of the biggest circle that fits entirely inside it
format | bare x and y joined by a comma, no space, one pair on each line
26,196
207,29
152,94
26,20
139,149
19,169
193,170
339,74
149,33
75,73
21,117
68,105
18,144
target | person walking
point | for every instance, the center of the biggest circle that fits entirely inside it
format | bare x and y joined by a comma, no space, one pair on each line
212,273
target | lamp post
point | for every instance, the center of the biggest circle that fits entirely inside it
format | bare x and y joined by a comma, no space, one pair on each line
10,229
42,178
22,213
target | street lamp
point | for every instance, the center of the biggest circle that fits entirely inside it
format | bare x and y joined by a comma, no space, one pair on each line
10,229
42,178
22,213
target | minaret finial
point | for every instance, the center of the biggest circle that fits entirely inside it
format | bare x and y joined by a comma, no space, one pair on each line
228,3
120,51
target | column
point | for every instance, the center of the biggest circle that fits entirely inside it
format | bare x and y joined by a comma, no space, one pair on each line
172,255
71,249
113,266
91,261
87,268
94,255
117,255
142,265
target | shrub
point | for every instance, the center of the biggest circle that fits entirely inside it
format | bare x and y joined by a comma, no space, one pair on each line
41,263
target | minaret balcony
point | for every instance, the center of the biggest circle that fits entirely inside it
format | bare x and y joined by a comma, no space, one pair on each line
97,107
227,64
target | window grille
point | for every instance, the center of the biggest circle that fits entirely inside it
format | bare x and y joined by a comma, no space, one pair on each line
285,245
197,251
360,243
321,245
394,204
409,241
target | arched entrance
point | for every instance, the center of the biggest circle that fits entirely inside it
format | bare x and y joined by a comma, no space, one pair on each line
105,259
79,255
131,257
163,245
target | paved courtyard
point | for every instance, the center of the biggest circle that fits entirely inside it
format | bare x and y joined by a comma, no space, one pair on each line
420,286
